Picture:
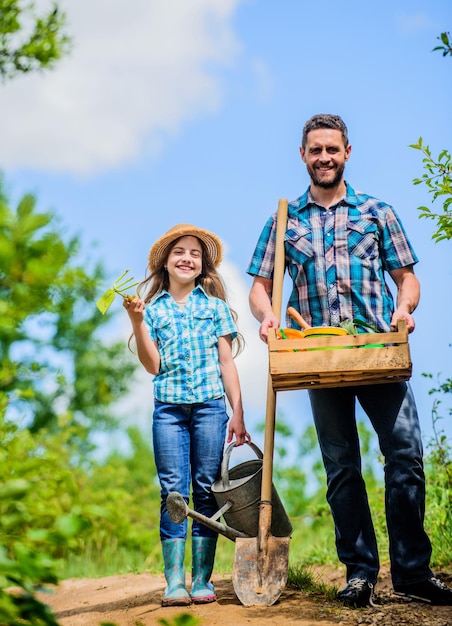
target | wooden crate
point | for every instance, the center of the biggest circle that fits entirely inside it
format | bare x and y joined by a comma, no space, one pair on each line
339,361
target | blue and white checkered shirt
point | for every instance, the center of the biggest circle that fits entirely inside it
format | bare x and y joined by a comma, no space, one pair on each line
188,345
337,257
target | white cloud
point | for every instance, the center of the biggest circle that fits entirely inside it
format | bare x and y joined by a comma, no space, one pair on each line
136,71
263,79
413,22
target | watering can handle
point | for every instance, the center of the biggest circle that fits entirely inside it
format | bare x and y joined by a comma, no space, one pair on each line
227,456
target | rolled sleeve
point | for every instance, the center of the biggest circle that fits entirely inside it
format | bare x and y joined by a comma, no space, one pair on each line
263,259
397,249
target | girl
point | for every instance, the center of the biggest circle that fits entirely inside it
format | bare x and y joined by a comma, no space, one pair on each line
184,332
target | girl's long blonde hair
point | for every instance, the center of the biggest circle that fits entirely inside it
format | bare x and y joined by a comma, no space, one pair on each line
209,279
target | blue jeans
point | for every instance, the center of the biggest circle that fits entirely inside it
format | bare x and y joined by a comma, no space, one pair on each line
188,447
392,411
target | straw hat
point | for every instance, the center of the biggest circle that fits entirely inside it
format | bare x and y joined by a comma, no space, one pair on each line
211,242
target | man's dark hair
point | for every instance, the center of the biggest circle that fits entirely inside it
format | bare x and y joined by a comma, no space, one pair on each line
324,120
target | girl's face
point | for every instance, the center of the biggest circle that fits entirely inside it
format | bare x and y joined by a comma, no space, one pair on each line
184,262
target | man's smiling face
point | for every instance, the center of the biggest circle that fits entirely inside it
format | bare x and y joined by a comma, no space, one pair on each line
325,156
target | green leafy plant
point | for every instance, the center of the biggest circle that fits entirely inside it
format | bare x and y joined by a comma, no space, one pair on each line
303,579
438,179
56,517
438,468
352,327
53,359
184,619
126,536
437,174
446,47
28,41
39,519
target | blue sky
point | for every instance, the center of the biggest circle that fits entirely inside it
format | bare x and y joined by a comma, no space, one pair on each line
192,112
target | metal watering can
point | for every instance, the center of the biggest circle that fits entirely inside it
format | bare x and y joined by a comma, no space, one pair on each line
239,489
237,493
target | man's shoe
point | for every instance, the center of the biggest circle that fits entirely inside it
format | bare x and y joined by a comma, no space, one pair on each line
431,590
357,593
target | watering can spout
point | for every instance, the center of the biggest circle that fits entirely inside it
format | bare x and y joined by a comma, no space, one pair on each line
178,510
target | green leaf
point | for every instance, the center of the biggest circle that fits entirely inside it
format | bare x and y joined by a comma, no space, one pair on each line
363,324
349,327
16,488
69,525
30,42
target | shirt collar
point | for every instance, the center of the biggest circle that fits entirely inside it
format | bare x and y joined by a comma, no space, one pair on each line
165,294
306,199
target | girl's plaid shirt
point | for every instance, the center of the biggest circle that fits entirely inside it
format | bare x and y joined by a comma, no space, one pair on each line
188,345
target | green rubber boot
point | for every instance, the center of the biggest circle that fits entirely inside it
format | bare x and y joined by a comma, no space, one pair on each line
203,556
176,593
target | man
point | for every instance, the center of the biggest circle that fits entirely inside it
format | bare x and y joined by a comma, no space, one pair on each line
340,245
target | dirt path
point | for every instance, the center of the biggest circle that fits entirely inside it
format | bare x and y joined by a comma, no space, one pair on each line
134,600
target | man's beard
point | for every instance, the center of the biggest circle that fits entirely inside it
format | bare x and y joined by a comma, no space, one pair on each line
324,184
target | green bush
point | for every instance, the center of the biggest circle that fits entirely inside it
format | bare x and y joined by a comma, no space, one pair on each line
39,519
438,469
55,516
126,536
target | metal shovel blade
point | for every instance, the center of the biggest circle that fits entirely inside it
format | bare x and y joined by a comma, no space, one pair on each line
260,567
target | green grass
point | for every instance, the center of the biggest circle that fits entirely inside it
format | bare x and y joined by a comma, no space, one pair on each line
184,619
304,579
310,545
110,561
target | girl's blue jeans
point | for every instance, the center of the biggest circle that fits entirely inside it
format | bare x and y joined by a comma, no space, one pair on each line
188,444
392,411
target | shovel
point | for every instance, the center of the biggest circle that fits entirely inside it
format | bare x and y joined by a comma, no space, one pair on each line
261,563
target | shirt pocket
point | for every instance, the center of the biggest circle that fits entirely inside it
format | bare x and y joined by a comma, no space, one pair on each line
299,243
164,328
362,237
203,322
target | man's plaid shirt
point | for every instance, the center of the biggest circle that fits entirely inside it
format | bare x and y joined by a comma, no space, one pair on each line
337,257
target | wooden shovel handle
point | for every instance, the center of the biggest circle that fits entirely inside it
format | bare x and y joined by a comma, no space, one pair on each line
297,317
269,438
